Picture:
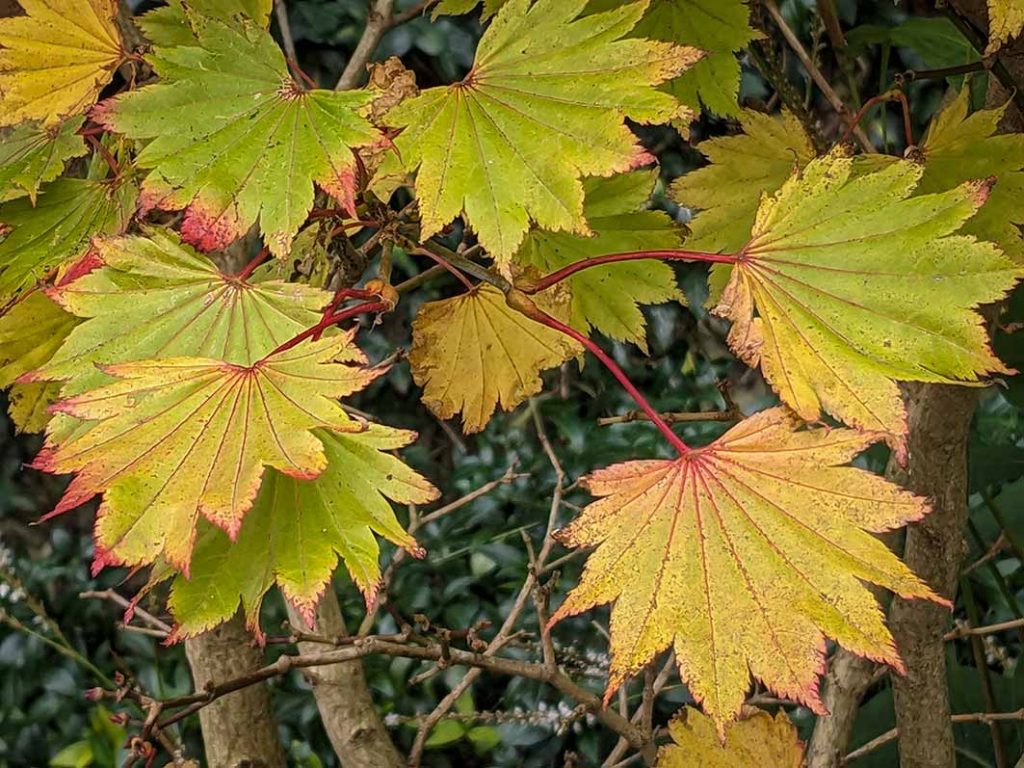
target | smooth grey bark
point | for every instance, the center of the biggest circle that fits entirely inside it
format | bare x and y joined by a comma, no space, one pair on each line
239,730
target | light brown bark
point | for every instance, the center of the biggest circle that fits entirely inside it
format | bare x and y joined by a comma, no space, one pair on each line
354,726
239,730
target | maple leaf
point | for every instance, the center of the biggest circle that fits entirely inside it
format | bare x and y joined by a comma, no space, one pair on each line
473,353
171,25
460,7
720,28
545,103
58,227
1005,20
29,335
32,154
180,438
744,556
297,530
959,147
55,59
607,298
757,739
856,285
248,143
154,298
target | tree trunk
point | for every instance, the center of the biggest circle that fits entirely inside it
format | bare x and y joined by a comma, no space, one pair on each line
355,728
239,730
940,418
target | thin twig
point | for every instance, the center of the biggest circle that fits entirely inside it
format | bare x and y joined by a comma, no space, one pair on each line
815,73
970,717
281,13
671,417
114,597
379,19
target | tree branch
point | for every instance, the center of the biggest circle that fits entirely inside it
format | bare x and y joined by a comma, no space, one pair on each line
379,19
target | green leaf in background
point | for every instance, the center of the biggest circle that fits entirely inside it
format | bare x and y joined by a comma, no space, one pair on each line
31,155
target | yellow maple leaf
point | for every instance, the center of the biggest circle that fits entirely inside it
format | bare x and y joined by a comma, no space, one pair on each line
757,739
473,353
56,58
744,556
1005,20
848,285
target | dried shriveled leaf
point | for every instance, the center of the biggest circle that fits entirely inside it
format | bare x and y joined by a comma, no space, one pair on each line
960,147
744,556
607,298
1005,21
758,739
297,531
473,353
248,143
55,59
154,298
544,105
32,154
180,438
29,335
58,228
856,285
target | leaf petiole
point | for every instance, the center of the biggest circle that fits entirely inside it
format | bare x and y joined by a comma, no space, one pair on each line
328,321
520,302
536,286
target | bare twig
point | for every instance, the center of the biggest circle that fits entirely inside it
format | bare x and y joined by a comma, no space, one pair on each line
114,597
281,13
816,75
671,417
379,19
969,717
990,629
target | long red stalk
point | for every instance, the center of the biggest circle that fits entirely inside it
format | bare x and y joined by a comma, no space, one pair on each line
611,258
522,303
326,322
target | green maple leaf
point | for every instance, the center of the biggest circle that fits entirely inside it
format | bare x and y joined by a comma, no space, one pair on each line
607,298
959,147
460,7
29,335
248,143
720,28
544,105
181,438
297,530
171,25
155,298
58,228
32,154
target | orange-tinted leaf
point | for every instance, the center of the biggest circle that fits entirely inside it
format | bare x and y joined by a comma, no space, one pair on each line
757,740
180,438
744,556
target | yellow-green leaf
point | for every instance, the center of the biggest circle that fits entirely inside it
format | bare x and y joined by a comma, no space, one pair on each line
757,739
607,298
29,335
171,25
298,529
473,353
55,59
848,285
182,438
544,105
1005,21
32,154
744,556
248,142
959,147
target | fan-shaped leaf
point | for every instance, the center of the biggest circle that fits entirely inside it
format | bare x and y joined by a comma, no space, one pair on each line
744,556
58,227
29,335
248,143
544,104
154,298
857,285
473,353
298,529
32,154
757,739
56,58
607,298
171,25
181,438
